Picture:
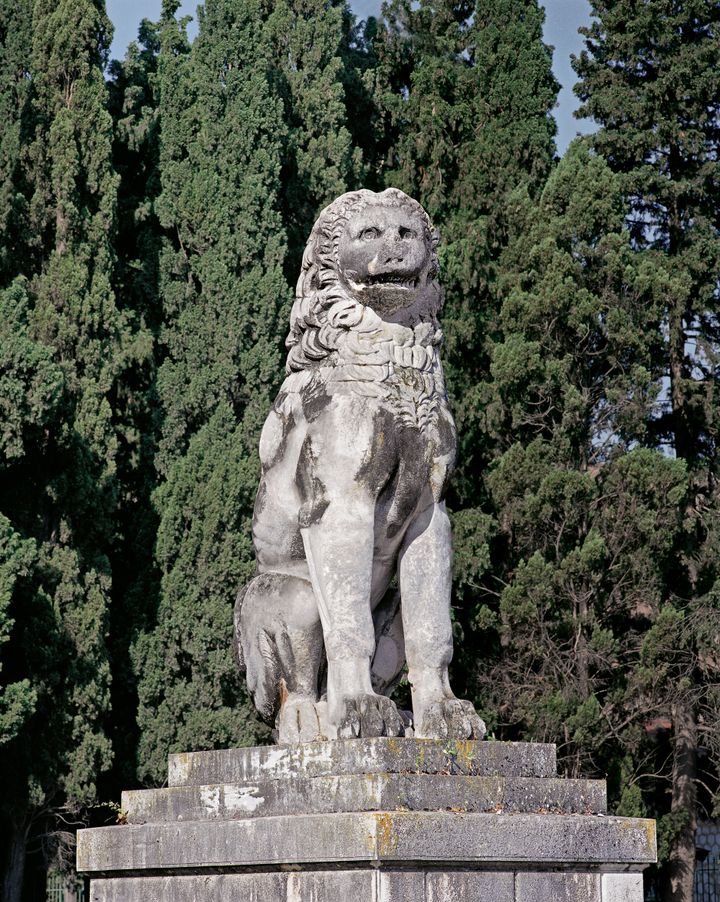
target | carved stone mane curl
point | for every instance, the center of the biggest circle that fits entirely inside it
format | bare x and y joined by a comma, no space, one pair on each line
323,309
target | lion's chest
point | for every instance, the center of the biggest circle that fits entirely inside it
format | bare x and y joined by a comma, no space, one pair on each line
408,461
415,401
329,439
417,469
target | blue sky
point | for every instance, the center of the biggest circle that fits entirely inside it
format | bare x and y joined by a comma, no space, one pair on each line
563,18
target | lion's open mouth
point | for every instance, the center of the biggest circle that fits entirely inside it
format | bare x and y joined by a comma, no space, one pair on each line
381,281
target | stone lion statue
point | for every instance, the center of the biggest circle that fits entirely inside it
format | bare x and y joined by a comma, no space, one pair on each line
351,534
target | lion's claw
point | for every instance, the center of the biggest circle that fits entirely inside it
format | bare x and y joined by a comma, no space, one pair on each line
369,715
450,718
301,719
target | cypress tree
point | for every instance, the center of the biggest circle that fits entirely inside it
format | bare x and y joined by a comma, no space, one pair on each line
309,42
70,345
15,44
361,78
651,77
133,93
588,519
225,301
133,105
32,388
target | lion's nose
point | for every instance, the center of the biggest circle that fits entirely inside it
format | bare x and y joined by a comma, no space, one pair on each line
385,258
391,252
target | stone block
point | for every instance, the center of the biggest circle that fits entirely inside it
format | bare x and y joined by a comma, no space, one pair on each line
373,885
308,886
369,820
371,792
470,886
622,887
392,837
561,886
366,756
546,840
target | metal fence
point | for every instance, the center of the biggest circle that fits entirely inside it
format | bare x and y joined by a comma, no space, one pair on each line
707,881
61,888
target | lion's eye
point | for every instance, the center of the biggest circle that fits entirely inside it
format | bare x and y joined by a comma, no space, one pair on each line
369,234
407,233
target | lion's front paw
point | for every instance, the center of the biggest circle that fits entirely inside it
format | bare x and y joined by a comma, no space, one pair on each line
368,715
302,719
449,718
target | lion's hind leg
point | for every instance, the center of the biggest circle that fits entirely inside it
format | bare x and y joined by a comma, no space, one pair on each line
279,643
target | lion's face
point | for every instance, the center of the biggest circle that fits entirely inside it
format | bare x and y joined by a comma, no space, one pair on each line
384,256
366,250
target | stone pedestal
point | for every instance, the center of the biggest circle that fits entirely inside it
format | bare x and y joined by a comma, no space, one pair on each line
369,820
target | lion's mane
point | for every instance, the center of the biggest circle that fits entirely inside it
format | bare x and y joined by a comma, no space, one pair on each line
323,310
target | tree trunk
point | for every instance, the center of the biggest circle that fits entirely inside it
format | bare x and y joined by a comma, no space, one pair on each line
14,871
677,340
680,868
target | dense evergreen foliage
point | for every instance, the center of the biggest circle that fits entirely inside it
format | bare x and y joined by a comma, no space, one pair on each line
589,517
15,40
153,214
655,90
66,346
223,292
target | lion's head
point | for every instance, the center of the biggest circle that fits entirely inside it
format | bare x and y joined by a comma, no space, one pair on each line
366,250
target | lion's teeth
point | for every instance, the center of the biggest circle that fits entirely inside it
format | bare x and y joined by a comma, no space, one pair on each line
382,280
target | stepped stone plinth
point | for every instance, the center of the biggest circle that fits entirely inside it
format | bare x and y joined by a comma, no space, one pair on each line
372,820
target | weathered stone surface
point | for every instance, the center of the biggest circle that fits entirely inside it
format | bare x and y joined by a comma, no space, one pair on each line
323,886
563,886
401,837
356,455
469,886
365,792
622,887
225,843
374,885
369,756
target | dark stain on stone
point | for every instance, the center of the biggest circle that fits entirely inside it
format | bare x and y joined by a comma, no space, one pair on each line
260,500
311,489
297,547
447,436
380,461
314,398
278,452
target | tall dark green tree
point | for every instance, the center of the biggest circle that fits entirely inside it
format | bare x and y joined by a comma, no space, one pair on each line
309,41
588,519
15,42
33,390
62,365
225,300
651,78
133,94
